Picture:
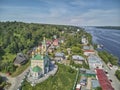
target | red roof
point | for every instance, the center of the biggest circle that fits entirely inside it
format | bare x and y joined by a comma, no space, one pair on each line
89,50
56,40
103,80
49,42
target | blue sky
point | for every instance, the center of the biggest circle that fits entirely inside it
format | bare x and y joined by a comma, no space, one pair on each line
70,12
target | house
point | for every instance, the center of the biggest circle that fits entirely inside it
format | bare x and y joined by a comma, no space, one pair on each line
59,56
90,73
89,52
61,40
55,42
78,59
51,49
78,87
84,40
103,80
48,43
20,59
95,84
86,47
87,73
40,61
94,62
83,81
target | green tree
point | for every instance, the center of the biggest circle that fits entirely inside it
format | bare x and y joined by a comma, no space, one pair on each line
98,88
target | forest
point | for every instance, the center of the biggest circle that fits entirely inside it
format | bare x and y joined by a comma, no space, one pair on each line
18,37
110,27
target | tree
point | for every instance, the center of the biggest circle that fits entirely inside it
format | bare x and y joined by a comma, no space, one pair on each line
1,79
98,88
76,50
117,73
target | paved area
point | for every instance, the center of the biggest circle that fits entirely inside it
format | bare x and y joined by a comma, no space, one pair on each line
16,81
46,76
115,82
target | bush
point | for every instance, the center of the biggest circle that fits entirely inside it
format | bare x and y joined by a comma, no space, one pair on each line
117,73
63,80
107,57
70,70
98,88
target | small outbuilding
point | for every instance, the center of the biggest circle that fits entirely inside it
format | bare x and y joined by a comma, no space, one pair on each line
78,59
86,47
59,56
87,73
78,87
55,42
95,84
89,52
20,59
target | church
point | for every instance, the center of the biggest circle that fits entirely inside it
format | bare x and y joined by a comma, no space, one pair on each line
40,61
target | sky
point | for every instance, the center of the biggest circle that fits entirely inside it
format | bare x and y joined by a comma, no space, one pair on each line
65,12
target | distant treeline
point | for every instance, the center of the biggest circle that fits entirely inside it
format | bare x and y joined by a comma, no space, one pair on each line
109,27
18,36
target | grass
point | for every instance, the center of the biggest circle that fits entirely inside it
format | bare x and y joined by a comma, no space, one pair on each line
8,57
20,69
63,80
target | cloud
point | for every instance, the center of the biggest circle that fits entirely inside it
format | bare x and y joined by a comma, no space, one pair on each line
97,17
73,12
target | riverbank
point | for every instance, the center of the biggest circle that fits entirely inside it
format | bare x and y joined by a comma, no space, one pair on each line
108,38
111,73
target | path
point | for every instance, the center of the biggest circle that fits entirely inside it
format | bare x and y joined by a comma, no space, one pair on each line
115,82
15,81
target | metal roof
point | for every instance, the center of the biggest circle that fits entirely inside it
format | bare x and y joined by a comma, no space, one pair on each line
95,83
86,47
94,59
59,54
37,57
20,58
36,69
103,80
77,57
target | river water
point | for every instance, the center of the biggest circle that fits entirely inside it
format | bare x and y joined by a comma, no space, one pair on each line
109,38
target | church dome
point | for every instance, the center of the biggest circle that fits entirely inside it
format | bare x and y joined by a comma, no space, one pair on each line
36,69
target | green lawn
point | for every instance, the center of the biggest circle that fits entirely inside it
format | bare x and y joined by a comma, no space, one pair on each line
63,80
8,57
20,69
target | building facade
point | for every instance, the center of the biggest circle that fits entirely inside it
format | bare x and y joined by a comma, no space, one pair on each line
40,61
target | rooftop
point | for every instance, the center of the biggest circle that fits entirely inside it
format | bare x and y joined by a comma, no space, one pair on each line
95,83
78,86
90,72
103,80
36,69
86,47
59,54
37,57
94,59
77,57
20,58
89,51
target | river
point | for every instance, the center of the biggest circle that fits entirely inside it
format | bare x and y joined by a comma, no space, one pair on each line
109,38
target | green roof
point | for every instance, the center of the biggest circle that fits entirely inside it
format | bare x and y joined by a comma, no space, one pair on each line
47,64
36,69
37,57
46,57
